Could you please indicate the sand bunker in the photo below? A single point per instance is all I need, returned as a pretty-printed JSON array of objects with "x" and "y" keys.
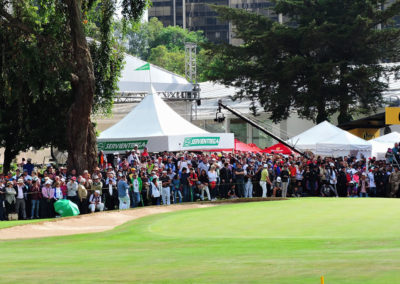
[{"x": 90, "y": 223}]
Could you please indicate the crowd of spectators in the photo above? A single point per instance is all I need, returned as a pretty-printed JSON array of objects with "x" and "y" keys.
[{"x": 142, "y": 178}]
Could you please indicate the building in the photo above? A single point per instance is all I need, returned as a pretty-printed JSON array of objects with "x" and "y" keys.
[{"x": 197, "y": 15}]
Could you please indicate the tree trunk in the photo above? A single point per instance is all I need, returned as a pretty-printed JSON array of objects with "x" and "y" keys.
[
  {"x": 83, "y": 87},
  {"x": 322, "y": 115},
  {"x": 92, "y": 147},
  {"x": 344, "y": 115},
  {"x": 9, "y": 155}
]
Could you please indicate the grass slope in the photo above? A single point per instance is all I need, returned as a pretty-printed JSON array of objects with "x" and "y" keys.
[
  {"x": 6, "y": 224},
  {"x": 294, "y": 241}
]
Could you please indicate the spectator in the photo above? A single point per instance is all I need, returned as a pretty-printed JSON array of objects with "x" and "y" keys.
[
  {"x": 82, "y": 195},
  {"x": 95, "y": 202},
  {"x": 123, "y": 187},
  {"x": 165, "y": 192}
]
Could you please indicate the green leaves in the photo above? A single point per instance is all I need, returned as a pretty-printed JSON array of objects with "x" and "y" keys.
[{"x": 327, "y": 61}]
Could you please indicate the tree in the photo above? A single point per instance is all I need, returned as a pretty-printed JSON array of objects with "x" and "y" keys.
[
  {"x": 38, "y": 21},
  {"x": 324, "y": 61},
  {"x": 34, "y": 94},
  {"x": 165, "y": 46},
  {"x": 173, "y": 61}
]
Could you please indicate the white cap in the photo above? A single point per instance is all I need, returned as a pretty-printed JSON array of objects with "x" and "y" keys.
[{"x": 265, "y": 165}]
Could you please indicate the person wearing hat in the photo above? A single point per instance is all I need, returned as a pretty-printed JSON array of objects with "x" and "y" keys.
[
  {"x": 95, "y": 202},
  {"x": 166, "y": 190},
  {"x": 97, "y": 184},
  {"x": 82, "y": 195},
  {"x": 72, "y": 190},
  {"x": 264, "y": 180},
  {"x": 10, "y": 194},
  {"x": 110, "y": 192},
  {"x": 20, "y": 205},
  {"x": 46, "y": 206}
]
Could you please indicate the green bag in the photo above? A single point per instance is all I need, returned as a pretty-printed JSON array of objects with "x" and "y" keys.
[{"x": 66, "y": 208}]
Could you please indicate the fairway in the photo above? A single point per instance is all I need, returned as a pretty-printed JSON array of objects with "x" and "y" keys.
[{"x": 293, "y": 241}]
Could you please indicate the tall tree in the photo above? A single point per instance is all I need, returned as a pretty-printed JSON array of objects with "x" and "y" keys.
[
  {"x": 80, "y": 134},
  {"x": 324, "y": 61}
]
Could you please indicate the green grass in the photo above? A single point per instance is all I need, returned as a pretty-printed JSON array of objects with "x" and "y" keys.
[
  {"x": 294, "y": 241},
  {"x": 7, "y": 224}
]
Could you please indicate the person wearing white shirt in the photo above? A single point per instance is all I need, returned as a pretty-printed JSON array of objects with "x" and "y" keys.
[
  {"x": 95, "y": 202},
  {"x": 372, "y": 184},
  {"x": 20, "y": 198}
]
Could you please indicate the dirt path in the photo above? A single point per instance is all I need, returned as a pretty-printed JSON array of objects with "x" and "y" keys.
[{"x": 91, "y": 223}]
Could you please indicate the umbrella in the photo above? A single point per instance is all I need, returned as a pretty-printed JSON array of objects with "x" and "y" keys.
[
  {"x": 278, "y": 149},
  {"x": 255, "y": 148},
  {"x": 66, "y": 208}
]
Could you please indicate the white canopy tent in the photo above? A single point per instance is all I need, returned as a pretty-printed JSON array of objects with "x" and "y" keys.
[
  {"x": 344, "y": 144},
  {"x": 154, "y": 124},
  {"x": 133, "y": 81},
  {"x": 381, "y": 144},
  {"x": 328, "y": 140},
  {"x": 307, "y": 141}
]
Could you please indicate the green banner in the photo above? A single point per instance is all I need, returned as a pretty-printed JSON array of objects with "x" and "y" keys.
[
  {"x": 121, "y": 145},
  {"x": 201, "y": 141}
]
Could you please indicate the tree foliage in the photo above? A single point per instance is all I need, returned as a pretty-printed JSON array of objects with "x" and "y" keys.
[
  {"x": 52, "y": 80},
  {"x": 324, "y": 61},
  {"x": 165, "y": 46}
]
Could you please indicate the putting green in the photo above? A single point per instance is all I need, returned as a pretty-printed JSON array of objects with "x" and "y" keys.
[
  {"x": 298, "y": 218},
  {"x": 293, "y": 241}
]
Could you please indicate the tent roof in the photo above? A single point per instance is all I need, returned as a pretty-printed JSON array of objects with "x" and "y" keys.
[
  {"x": 152, "y": 117},
  {"x": 315, "y": 134},
  {"x": 255, "y": 147},
  {"x": 278, "y": 149},
  {"x": 133, "y": 81},
  {"x": 243, "y": 147},
  {"x": 393, "y": 137},
  {"x": 345, "y": 138}
]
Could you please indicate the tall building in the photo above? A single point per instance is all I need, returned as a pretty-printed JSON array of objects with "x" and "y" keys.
[{"x": 197, "y": 15}]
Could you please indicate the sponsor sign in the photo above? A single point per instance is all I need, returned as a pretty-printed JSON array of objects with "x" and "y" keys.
[
  {"x": 392, "y": 115},
  {"x": 201, "y": 141},
  {"x": 121, "y": 145}
]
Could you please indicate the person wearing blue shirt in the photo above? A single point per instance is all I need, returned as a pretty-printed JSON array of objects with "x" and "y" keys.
[{"x": 123, "y": 196}]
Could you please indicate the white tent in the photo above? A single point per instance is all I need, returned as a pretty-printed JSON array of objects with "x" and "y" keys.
[
  {"x": 154, "y": 124},
  {"x": 381, "y": 144},
  {"x": 133, "y": 81},
  {"x": 307, "y": 141},
  {"x": 328, "y": 140},
  {"x": 344, "y": 144}
]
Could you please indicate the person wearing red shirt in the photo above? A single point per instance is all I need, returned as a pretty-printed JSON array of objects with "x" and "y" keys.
[{"x": 193, "y": 179}]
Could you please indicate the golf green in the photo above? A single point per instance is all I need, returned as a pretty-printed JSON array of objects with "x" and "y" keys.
[{"x": 294, "y": 241}]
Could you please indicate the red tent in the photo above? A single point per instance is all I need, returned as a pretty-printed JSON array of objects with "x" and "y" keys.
[
  {"x": 278, "y": 149},
  {"x": 255, "y": 148},
  {"x": 240, "y": 146}
]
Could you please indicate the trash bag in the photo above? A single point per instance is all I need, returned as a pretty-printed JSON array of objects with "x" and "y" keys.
[{"x": 66, "y": 208}]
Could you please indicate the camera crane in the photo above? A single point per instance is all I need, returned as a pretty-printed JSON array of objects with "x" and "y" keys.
[{"x": 219, "y": 117}]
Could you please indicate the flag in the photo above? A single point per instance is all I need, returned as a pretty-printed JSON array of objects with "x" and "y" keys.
[{"x": 144, "y": 67}]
